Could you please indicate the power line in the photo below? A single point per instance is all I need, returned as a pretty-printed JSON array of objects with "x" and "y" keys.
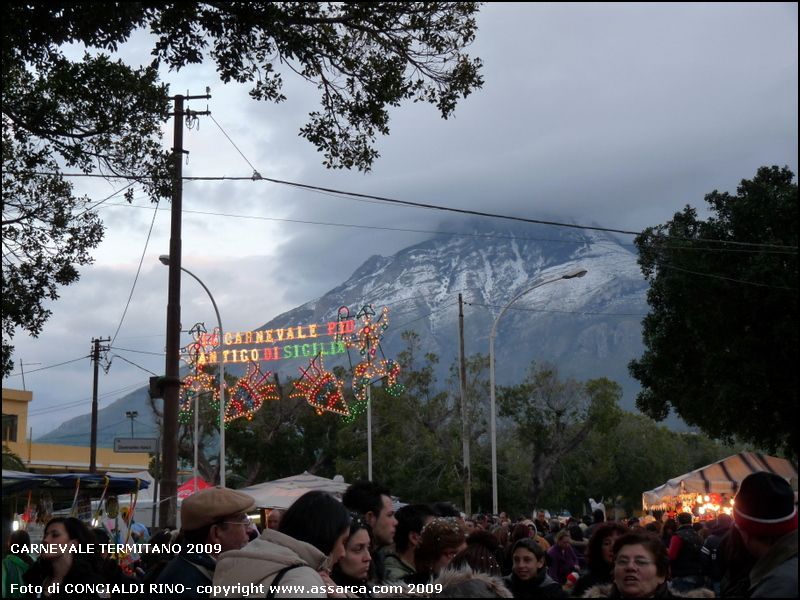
[
  {"x": 74, "y": 403},
  {"x": 51, "y": 366},
  {"x": 754, "y": 283},
  {"x": 136, "y": 278},
  {"x": 568, "y": 312},
  {"x": 394, "y": 201},
  {"x": 256, "y": 174},
  {"x": 122, "y": 189},
  {"x": 461, "y": 234},
  {"x": 138, "y": 351},
  {"x": 113, "y": 356}
]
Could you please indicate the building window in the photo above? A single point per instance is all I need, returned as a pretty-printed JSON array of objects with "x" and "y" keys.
[{"x": 10, "y": 423}]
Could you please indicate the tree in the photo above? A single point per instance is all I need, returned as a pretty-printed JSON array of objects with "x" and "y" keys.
[
  {"x": 99, "y": 115},
  {"x": 619, "y": 464},
  {"x": 721, "y": 335},
  {"x": 12, "y": 461},
  {"x": 552, "y": 417}
]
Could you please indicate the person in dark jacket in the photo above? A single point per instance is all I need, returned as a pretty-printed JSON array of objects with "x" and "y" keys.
[
  {"x": 765, "y": 512},
  {"x": 600, "y": 557},
  {"x": 641, "y": 569},
  {"x": 712, "y": 558},
  {"x": 353, "y": 569},
  {"x": 16, "y": 562},
  {"x": 214, "y": 516},
  {"x": 685, "y": 556},
  {"x": 529, "y": 578},
  {"x": 562, "y": 558},
  {"x": 69, "y": 562}
]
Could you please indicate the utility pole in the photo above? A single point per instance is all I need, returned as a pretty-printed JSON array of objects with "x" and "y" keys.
[
  {"x": 96, "y": 360},
  {"x": 169, "y": 479},
  {"x": 467, "y": 476},
  {"x": 22, "y": 370},
  {"x": 132, "y": 414}
]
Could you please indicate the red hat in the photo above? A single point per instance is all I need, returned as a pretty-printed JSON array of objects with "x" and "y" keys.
[{"x": 764, "y": 506}]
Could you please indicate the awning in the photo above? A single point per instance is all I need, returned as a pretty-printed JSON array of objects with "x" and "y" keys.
[
  {"x": 189, "y": 488},
  {"x": 721, "y": 477},
  {"x": 282, "y": 492},
  {"x": 17, "y": 481}
]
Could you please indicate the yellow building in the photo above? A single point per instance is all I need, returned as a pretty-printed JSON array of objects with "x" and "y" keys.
[{"x": 56, "y": 458}]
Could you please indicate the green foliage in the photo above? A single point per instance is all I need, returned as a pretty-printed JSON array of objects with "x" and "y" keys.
[
  {"x": 11, "y": 461},
  {"x": 100, "y": 115},
  {"x": 92, "y": 115},
  {"x": 721, "y": 335},
  {"x": 552, "y": 417},
  {"x": 599, "y": 450},
  {"x": 634, "y": 456}
]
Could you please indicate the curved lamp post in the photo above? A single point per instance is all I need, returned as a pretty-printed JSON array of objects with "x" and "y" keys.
[
  {"x": 164, "y": 258},
  {"x": 492, "y": 411}
]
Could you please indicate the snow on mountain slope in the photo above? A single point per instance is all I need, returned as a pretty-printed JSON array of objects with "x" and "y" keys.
[{"x": 589, "y": 327}]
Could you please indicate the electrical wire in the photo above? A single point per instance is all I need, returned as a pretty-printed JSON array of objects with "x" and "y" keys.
[
  {"x": 50, "y": 366},
  {"x": 255, "y": 172},
  {"x": 138, "y": 351},
  {"x": 429, "y": 206},
  {"x": 136, "y": 278},
  {"x": 113, "y": 356},
  {"x": 461, "y": 234},
  {"x": 107, "y": 198},
  {"x": 568, "y": 312},
  {"x": 711, "y": 275}
]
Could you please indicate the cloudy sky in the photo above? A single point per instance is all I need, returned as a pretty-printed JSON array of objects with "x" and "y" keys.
[{"x": 603, "y": 113}]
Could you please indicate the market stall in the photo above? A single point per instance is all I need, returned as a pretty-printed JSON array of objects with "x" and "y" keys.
[
  {"x": 34, "y": 498},
  {"x": 708, "y": 491}
]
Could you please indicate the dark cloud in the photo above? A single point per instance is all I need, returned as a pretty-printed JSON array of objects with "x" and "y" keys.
[{"x": 597, "y": 113}]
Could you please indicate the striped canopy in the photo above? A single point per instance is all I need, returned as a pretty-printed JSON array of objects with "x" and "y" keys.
[{"x": 721, "y": 477}]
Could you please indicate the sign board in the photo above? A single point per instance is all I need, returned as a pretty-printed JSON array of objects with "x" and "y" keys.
[{"x": 136, "y": 445}]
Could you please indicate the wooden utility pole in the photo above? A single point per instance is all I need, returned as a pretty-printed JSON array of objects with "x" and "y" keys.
[
  {"x": 467, "y": 476},
  {"x": 169, "y": 477},
  {"x": 93, "y": 443}
]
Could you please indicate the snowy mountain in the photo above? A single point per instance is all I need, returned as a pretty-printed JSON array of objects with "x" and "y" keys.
[{"x": 589, "y": 327}]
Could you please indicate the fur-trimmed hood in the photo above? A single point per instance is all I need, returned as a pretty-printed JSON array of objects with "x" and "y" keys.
[
  {"x": 604, "y": 591},
  {"x": 461, "y": 583}
]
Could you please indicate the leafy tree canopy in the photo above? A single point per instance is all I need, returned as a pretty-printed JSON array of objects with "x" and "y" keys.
[
  {"x": 552, "y": 417},
  {"x": 721, "y": 334},
  {"x": 97, "y": 114}
]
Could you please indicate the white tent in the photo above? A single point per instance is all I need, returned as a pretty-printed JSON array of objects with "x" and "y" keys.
[
  {"x": 721, "y": 477},
  {"x": 282, "y": 492}
]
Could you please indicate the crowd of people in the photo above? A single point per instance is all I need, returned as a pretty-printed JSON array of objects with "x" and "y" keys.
[{"x": 356, "y": 547}]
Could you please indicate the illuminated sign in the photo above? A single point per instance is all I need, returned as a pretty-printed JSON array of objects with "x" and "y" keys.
[{"x": 300, "y": 341}]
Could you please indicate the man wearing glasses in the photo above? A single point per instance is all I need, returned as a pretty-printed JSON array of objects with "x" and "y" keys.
[{"x": 213, "y": 521}]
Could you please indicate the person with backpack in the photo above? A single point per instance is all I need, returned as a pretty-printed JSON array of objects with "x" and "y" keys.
[
  {"x": 713, "y": 559},
  {"x": 685, "y": 556}
]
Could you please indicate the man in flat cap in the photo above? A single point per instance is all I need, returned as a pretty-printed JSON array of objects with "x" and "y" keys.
[
  {"x": 765, "y": 514},
  {"x": 216, "y": 519}
]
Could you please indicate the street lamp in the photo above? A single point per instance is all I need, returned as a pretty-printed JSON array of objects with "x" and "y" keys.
[
  {"x": 164, "y": 258},
  {"x": 492, "y": 411},
  {"x": 131, "y": 414}
]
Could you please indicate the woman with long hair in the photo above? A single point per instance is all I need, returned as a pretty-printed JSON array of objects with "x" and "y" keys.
[
  {"x": 441, "y": 539},
  {"x": 68, "y": 560},
  {"x": 353, "y": 568},
  {"x": 309, "y": 542},
  {"x": 600, "y": 557}
]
